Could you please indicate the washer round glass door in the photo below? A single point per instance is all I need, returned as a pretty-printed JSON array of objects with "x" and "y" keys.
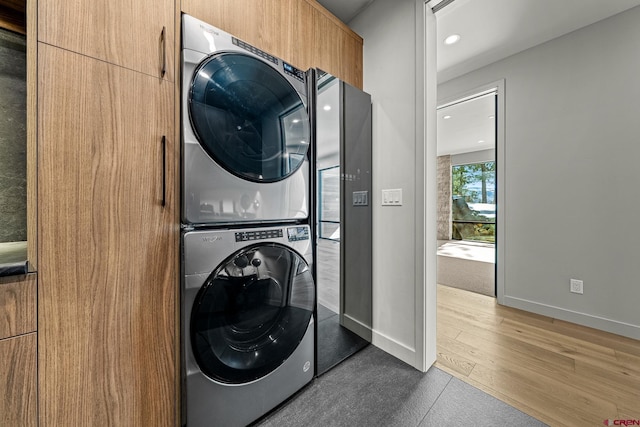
[
  {"x": 251, "y": 313},
  {"x": 248, "y": 117}
]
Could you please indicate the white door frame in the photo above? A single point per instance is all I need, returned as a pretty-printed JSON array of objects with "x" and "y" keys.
[
  {"x": 499, "y": 87},
  {"x": 426, "y": 177},
  {"x": 426, "y": 187}
]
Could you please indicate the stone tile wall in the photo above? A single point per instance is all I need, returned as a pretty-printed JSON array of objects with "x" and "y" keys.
[
  {"x": 13, "y": 137},
  {"x": 444, "y": 198}
]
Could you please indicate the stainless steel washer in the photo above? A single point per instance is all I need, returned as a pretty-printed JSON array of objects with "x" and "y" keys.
[
  {"x": 247, "y": 316},
  {"x": 245, "y": 132}
]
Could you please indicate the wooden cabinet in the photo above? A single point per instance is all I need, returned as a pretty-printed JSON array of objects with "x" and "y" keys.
[
  {"x": 18, "y": 405},
  {"x": 17, "y": 305},
  {"x": 18, "y": 351},
  {"x": 122, "y": 32},
  {"x": 336, "y": 51},
  {"x": 299, "y": 31},
  {"x": 107, "y": 244},
  {"x": 107, "y": 292},
  {"x": 350, "y": 64}
]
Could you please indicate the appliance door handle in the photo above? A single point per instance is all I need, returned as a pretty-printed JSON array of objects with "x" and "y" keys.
[
  {"x": 163, "y": 40},
  {"x": 164, "y": 170}
]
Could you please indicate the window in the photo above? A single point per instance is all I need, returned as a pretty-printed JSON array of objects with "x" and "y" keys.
[
  {"x": 473, "y": 208},
  {"x": 329, "y": 203}
]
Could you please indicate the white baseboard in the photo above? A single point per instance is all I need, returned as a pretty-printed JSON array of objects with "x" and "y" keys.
[
  {"x": 394, "y": 348},
  {"x": 608, "y": 325}
]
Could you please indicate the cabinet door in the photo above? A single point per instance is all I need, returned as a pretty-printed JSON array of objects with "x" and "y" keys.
[
  {"x": 122, "y": 32},
  {"x": 107, "y": 272},
  {"x": 337, "y": 51},
  {"x": 18, "y": 381},
  {"x": 17, "y": 305},
  {"x": 351, "y": 65}
]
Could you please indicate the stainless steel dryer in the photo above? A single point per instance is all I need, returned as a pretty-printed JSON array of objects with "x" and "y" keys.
[
  {"x": 247, "y": 315},
  {"x": 245, "y": 131}
]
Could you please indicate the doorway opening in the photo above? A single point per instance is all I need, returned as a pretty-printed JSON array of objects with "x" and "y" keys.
[{"x": 467, "y": 196}]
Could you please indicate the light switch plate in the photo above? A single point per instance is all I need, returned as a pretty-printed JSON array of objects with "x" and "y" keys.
[{"x": 392, "y": 197}]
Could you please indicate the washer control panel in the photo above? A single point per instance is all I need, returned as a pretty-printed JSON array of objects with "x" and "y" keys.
[
  {"x": 298, "y": 233},
  {"x": 245, "y": 236}
]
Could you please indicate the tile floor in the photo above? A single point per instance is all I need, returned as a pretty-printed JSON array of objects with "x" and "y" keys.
[
  {"x": 373, "y": 388},
  {"x": 335, "y": 342}
]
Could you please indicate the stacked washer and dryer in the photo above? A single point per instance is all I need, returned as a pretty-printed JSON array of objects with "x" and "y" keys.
[{"x": 248, "y": 293}]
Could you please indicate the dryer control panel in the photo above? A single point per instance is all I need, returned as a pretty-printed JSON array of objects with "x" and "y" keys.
[{"x": 254, "y": 50}]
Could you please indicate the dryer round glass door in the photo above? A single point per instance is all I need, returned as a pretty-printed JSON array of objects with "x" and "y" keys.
[
  {"x": 248, "y": 117},
  {"x": 251, "y": 313}
]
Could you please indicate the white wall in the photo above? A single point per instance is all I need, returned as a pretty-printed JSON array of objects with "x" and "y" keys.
[
  {"x": 572, "y": 153},
  {"x": 393, "y": 33}
]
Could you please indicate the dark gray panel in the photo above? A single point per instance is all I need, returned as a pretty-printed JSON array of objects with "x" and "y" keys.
[
  {"x": 343, "y": 135},
  {"x": 356, "y": 210},
  {"x": 338, "y": 342}
]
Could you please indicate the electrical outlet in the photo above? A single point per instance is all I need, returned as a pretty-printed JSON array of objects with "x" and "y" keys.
[{"x": 576, "y": 286}]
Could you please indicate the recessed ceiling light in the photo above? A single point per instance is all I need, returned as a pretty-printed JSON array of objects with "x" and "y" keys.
[
  {"x": 492, "y": 117},
  {"x": 446, "y": 117},
  {"x": 452, "y": 39},
  {"x": 295, "y": 121},
  {"x": 327, "y": 107},
  {"x": 481, "y": 141}
]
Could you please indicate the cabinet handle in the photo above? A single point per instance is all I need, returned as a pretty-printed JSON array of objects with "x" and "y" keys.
[
  {"x": 163, "y": 39},
  {"x": 164, "y": 170}
]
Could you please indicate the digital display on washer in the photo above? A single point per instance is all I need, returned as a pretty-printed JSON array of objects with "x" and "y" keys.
[
  {"x": 245, "y": 236},
  {"x": 298, "y": 233},
  {"x": 293, "y": 71}
]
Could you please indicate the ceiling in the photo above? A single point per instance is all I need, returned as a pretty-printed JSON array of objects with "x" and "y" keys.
[
  {"x": 491, "y": 30},
  {"x": 494, "y": 29},
  {"x": 467, "y": 126},
  {"x": 345, "y": 10}
]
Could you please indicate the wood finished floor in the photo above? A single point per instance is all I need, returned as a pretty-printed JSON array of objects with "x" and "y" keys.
[{"x": 560, "y": 373}]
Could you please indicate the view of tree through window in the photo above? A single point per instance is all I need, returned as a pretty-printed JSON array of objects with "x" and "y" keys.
[{"x": 474, "y": 201}]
